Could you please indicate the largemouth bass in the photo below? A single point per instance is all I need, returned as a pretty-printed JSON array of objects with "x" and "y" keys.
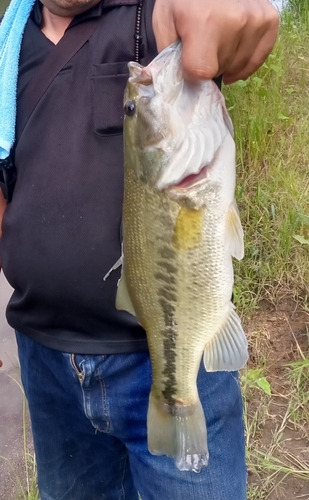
[{"x": 180, "y": 230}]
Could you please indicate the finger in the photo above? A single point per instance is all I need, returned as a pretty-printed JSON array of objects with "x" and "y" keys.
[
  {"x": 257, "y": 40},
  {"x": 163, "y": 26},
  {"x": 200, "y": 55},
  {"x": 243, "y": 54},
  {"x": 249, "y": 58},
  {"x": 206, "y": 52},
  {"x": 256, "y": 60}
]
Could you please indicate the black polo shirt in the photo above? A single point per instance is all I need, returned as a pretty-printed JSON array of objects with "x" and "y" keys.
[{"x": 62, "y": 230}]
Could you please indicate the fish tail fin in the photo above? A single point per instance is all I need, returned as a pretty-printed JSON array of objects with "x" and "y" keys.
[
  {"x": 179, "y": 433},
  {"x": 228, "y": 350}
]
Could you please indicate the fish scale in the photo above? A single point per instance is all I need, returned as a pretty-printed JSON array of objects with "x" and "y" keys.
[{"x": 180, "y": 230}]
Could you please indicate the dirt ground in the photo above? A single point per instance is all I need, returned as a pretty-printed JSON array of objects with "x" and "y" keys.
[
  {"x": 279, "y": 428},
  {"x": 277, "y": 336},
  {"x": 12, "y": 465}
]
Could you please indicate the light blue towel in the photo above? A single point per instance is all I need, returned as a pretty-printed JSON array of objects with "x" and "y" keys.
[{"x": 11, "y": 33}]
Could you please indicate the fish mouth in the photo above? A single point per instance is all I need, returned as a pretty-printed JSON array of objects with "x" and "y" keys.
[
  {"x": 192, "y": 179},
  {"x": 184, "y": 173}
]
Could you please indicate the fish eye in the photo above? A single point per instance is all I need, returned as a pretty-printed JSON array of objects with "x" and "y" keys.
[{"x": 129, "y": 108}]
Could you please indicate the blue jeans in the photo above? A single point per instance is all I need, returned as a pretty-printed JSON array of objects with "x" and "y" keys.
[{"x": 88, "y": 416}]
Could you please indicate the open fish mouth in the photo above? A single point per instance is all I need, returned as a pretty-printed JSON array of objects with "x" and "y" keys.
[
  {"x": 192, "y": 180},
  {"x": 194, "y": 154}
]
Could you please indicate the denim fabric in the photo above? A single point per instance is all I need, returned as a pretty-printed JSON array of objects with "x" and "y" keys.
[{"x": 88, "y": 417}]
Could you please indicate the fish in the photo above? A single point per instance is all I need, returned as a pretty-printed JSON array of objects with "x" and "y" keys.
[{"x": 181, "y": 228}]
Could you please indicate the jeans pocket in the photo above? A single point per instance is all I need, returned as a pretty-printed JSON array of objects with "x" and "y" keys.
[{"x": 79, "y": 372}]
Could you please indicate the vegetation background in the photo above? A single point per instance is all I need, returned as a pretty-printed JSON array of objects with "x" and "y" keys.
[{"x": 270, "y": 112}]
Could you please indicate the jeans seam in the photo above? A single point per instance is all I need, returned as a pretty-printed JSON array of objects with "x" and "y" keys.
[
  {"x": 121, "y": 491},
  {"x": 105, "y": 406}
]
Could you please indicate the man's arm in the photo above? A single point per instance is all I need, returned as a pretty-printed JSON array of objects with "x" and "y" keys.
[{"x": 229, "y": 37}]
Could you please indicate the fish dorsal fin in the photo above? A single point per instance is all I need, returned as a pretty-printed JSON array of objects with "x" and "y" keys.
[
  {"x": 234, "y": 232},
  {"x": 228, "y": 350},
  {"x": 123, "y": 300}
]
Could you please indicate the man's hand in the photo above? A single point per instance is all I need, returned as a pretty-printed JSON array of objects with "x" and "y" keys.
[{"x": 229, "y": 37}]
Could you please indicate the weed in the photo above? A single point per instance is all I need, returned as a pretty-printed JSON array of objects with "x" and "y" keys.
[
  {"x": 270, "y": 112},
  {"x": 255, "y": 378},
  {"x": 299, "y": 9},
  {"x": 26, "y": 486},
  {"x": 275, "y": 417},
  {"x": 299, "y": 399}
]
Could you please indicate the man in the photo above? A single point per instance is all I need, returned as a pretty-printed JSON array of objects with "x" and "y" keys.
[{"x": 85, "y": 366}]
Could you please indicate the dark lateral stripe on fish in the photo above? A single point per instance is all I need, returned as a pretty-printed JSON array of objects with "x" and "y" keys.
[
  {"x": 166, "y": 219},
  {"x": 167, "y": 223},
  {"x": 167, "y": 266},
  {"x": 168, "y": 294},
  {"x": 167, "y": 252},
  {"x": 170, "y": 386},
  {"x": 169, "y": 351},
  {"x": 166, "y": 278},
  {"x": 169, "y": 315},
  {"x": 177, "y": 410},
  {"x": 165, "y": 238}
]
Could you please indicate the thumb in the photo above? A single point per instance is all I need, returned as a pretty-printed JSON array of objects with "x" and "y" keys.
[{"x": 163, "y": 26}]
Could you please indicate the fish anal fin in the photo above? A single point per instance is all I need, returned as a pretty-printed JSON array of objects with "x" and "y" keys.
[
  {"x": 181, "y": 436},
  {"x": 228, "y": 350},
  {"x": 234, "y": 233},
  {"x": 123, "y": 300}
]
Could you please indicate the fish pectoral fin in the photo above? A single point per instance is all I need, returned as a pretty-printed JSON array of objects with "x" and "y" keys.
[
  {"x": 234, "y": 232},
  {"x": 123, "y": 300},
  {"x": 228, "y": 350},
  {"x": 181, "y": 436},
  {"x": 115, "y": 266}
]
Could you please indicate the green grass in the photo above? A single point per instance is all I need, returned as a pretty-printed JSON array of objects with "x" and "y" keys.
[
  {"x": 299, "y": 397},
  {"x": 270, "y": 112},
  {"x": 299, "y": 9}
]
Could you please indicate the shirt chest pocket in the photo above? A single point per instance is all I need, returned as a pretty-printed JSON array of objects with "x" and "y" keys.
[{"x": 107, "y": 88}]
